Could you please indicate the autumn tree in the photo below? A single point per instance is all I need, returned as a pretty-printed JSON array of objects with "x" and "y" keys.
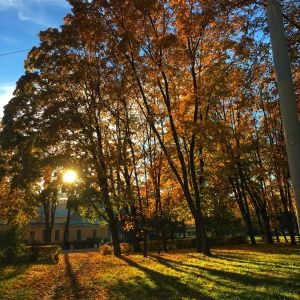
[
  {"x": 31, "y": 156},
  {"x": 143, "y": 94},
  {"x": 83, "y": 109},
  {"x": 173, "y": 52}
]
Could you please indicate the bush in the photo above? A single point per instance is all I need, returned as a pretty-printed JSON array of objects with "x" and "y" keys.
[
  {"x": 153, "y": 245},
  {"x": 126, "y": 248},
  {"x": 44, "y": 253},
  {"x": 106, "y": 250},
  {"x": 177, "y": 244},
  {"x": 88, "y": 243},
  {"x": 185, "y": 243},
  {"x": 213, "y": 241},
  {"x": 12, "y": 245},
  {"x": 228, "y": 240}
]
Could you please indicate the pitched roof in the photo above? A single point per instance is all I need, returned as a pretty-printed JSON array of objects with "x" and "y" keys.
[{"x": 61, "y": 213}]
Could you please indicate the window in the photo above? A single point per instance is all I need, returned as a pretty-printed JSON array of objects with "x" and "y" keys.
[
  {"x": 57, "y": 235},
  {"x": 94, "y": 233},
  {"x": 78, "y": 235},
  {"x": 32, "y": 235}
]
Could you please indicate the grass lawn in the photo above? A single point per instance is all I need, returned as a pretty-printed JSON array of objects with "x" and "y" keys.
[{"x": 235, "y": 272}]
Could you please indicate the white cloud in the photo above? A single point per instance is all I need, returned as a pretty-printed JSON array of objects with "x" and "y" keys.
[
  {"x": 6, "y": 93},
  {"x": 62, "y": 3},
  {"x": 20, "y": 4},
  {"x": 22, "y": 17},
  {"x": 37, "y": 16},
  {"x": 35, "y": 11},
  {"x": 5, "y": 4}
]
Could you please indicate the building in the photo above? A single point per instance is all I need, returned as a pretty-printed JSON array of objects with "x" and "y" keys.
[{"x": 79, "y": 228}]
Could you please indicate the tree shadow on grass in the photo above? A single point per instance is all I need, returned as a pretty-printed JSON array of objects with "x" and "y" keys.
[
  {"x": 69, "y": 287},
  {"x": 241, "y": 260},
  {"x": 161, "y": 286},
  {"x": 12, "y": 276},
  {"x": 266, "y": 248},
  {"x": 236, "y": 285},
  {"x": 18, "y": 269},
  {"x": 253, "y": 285}
]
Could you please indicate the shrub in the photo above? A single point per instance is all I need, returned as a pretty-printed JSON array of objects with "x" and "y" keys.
[
  {"x": 106, "y": 250},
  {"x": 153, "y": 245},
  {"x": 213, "y": 241},
  {"x": 185, "y": 243},
  {"x": 177, "y": 244},
  {"x": 48, "y": 253},
  {"x": 12, "y": 245},
  {"x": 126, "y": 248},
  {"x": 88, "y": 243},
  {"x": 228, "y": 240}
]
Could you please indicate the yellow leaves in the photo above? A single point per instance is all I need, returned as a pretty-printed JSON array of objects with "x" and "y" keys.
[
  {"x": 165, "y": 42},
  {"x": 186, "y": 274}
]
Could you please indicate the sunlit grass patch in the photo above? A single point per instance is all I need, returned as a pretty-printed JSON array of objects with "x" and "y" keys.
[{"x": 236, "y": 272}]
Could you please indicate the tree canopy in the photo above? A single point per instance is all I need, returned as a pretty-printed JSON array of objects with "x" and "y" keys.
[{"x": 167, "y": 108}]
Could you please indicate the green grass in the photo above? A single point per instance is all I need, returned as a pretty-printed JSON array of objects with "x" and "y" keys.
[{"x": 235, "y": 272}]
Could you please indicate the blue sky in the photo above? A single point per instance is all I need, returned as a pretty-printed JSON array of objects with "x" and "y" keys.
[{"x": 20, "y": 22}]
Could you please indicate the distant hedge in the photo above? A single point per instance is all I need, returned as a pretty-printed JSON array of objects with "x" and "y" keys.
[
  {"x": 228, "y": 240},
  {"x": 191, "y": 242},
  {"x": 88, "y": 243},
  {"x": 47, "y": 253}
]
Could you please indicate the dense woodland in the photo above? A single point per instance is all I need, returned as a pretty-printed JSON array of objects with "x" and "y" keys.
[{"x": 167, "y": 110}]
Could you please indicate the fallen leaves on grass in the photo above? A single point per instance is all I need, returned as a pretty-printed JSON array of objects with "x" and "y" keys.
[{"x": 231, "y": 273}]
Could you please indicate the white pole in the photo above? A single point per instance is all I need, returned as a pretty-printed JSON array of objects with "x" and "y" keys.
[{"x": 287, "y": 96}]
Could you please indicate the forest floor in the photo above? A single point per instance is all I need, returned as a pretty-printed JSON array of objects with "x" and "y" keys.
[{"x": 232, "y": 272}]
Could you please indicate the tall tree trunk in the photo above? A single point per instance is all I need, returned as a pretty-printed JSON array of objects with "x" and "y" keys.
[
  {"x": 290, "y": 226},
  {"x": 180, "y": 170},
  {"x": 99, "y": 158},
  {"x": 202, "y": 243},
  {"x": 244, "y": 208},
  {"x": 113, "y": 226},
  {"x": 276, "y": 235},
  {"x": 49, "y": 211},
  {"x": 47, "y": 222},
  {"x": 158, "y": 237},
  {"x": 66, "y": 229},
  {"x": 258, "y": 203},
  {"x": 183, "y": 229},
  {"x": 134, "y": 234}
]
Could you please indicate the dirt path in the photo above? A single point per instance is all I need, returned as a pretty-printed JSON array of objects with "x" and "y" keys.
[{"x": 72, "y": 265}]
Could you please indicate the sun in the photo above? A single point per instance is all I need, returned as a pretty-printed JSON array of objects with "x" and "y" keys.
[{"x": 69, "y": 176}]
